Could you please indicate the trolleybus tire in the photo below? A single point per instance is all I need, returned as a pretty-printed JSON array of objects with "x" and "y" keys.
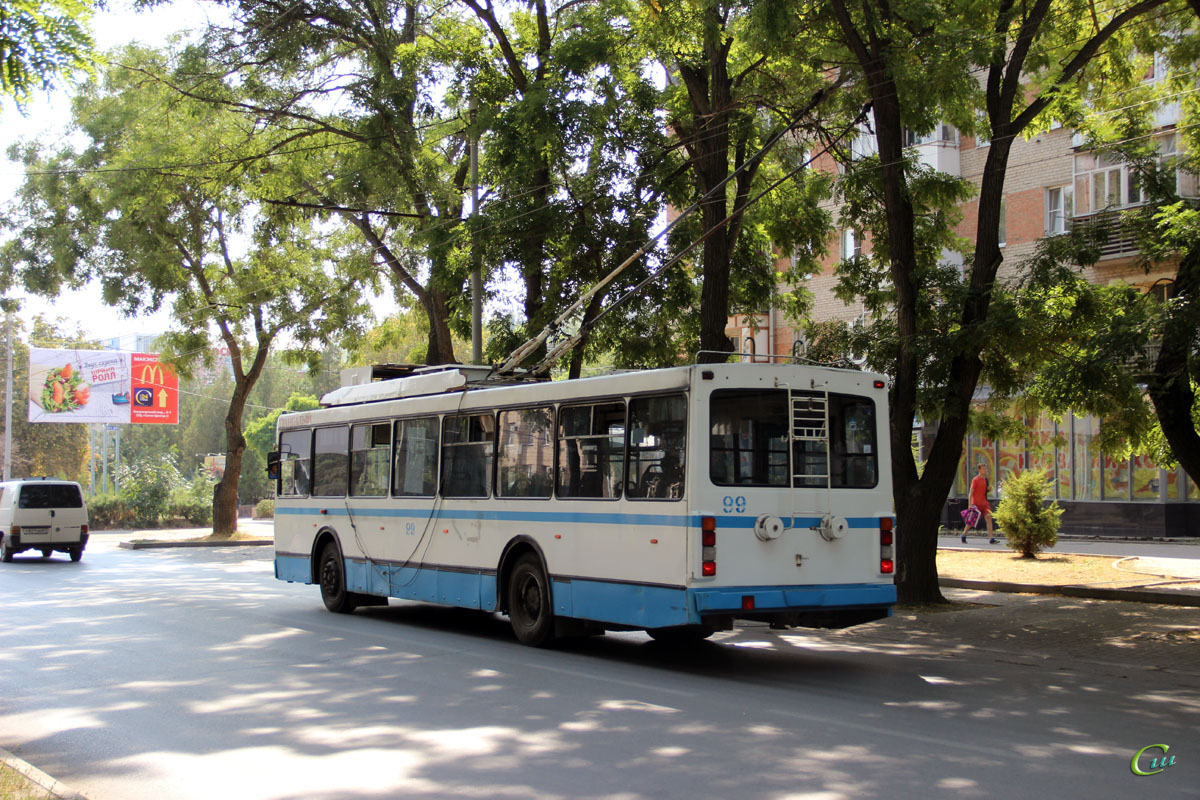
[
  {"x": 331, "y": 574},
  {"x": 529, "y": 609}
]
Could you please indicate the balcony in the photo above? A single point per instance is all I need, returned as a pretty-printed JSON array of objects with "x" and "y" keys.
[{"x": 1118, "y": 240}]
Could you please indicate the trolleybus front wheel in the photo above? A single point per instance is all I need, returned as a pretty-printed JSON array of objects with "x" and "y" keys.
[
  {"x": 333, "y": 582},
  {"x": 529, "y": 609}
]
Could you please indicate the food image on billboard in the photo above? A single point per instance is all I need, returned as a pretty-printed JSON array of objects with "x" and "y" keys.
[
  {"x": 109, "y": 386},
  {"x": 78, "y": 386}
]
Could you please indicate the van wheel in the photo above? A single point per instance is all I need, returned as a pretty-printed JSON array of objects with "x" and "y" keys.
[
  {"x": 75, "y": 553},
  {"x": 46, "y": 551},
  {"x": 333, "y": 582},
  {"x": 6, "y": 552},
  {"x": 529, "y": 610}
]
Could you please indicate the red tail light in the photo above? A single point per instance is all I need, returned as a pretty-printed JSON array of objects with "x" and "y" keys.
[
  {"x": 886, "y": 565},
  {"x": 83, "y": 529},
  {"x": 708, "y": 545}
]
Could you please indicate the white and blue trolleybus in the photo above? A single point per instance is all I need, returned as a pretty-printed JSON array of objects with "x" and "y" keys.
[{"x": 673, "y": 501}]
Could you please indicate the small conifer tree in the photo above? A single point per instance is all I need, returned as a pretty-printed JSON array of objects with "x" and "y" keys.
[{"x": 1029, "y": 525}]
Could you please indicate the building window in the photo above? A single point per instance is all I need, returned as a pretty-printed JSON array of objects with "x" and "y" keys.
[
  {"x": 1003, "y": 226},
  {"x": 851, "y": 244},
  {"x": 1060, "y": 207}
]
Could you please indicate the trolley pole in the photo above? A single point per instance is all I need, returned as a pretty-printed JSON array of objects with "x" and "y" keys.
[{"x": 8, "y": 398}]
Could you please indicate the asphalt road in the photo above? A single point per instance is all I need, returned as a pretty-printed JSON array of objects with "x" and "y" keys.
[{"x": 182, "y": 674}]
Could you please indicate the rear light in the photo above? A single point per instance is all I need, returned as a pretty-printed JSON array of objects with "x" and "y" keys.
[
  {"x": 886, "y": 565},
  {"x": 83, "y": 528},
  {"x": 708, "y": 546},
  {"x": 14, "y": 530},
  {"x": 747, "y": 602}
]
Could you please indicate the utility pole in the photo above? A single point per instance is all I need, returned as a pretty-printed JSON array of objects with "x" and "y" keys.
[
  {"x": 476, "y": 262},
  {"x": 8, "y": 399}
]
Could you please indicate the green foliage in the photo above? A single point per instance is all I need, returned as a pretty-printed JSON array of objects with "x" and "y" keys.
[
  {"x": 193, "y": 501},
  {"x": 108, "y": 511},
  {"x": 40, "y": 42},
  {"x": 265, "y": 509},
  {"x": 1029, "y": 525},
  {"x": 147, "y": 487}
]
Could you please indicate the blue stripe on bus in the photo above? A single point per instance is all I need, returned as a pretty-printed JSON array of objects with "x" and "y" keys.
[
  {"x": 635, "y": 605},
  {"x": 569, "y": 517}
]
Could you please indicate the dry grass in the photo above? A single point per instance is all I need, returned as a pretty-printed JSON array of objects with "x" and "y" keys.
[
  {"x": 1049, "y": 569},
  {"x": 15, "y": 786}
]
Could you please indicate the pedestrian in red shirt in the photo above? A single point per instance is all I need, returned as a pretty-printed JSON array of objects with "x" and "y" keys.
[{"x": 978, "y": 497}]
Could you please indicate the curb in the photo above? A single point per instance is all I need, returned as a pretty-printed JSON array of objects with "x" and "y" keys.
[
  {"x": 1087, "y": 592},
  {"x": 166, "y": 543},
  {"x": 32, "y": 773}
]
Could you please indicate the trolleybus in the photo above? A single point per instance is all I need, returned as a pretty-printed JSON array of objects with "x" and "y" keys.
[{"x": 674, "y": 501}]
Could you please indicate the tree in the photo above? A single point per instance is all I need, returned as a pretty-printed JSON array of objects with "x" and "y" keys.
[
  {"x": 915, "y": 65},
  {"x": 737, "y": 83},
  {"x": 42, "y": 41},
  {"x": 160, "y": 207},
  {"x": 60, "y": 450}
]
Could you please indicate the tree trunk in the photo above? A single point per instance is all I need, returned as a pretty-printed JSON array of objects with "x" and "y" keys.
[
  {"x": 1171, "y": 385},
  {"x": 225, "y": 493},
  {"x": 441, "y": 344}
]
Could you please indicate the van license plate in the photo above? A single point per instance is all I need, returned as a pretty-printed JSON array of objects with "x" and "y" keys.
[{"x": 35, "y": 530}]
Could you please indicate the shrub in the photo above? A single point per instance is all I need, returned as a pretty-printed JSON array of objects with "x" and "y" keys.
[
  {"x": 107, "y": 511},
  {"x": 146, "y": 487},
  {"x": 265, "y": 509},
  {"x": 1029, "y": 525},
  {"x": 192, "y": 502}
]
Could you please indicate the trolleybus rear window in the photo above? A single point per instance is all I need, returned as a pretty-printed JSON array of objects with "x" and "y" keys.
[{"x": 832, "y": 437}]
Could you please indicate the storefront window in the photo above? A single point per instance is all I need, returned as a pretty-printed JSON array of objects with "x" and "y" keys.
[
  {"x": 1041, "y": 445},
  {"x": 1087, "y": 459},
  {"x": 1146, "y": 478},
  {"x": 1011, "y": 461},
  {"x": 1174, "y": 481},
  {"x": 982, "y": 451},
  {"x": 1116, "y": 478},
  {"x": 1063, "y": 459}
]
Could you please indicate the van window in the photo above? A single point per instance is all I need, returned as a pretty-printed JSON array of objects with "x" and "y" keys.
[{"x": 50, "y": 495}]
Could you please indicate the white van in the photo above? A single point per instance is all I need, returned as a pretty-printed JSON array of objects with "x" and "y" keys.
[{"x": 42, "y": 514}]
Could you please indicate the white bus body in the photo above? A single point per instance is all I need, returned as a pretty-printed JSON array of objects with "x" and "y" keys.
[{"x": 582, "y": 518}]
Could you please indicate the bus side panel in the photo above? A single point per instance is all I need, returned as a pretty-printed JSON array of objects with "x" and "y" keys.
[
  {"x": 293, "y": 569},
  {"x": 635, "y": 605}
]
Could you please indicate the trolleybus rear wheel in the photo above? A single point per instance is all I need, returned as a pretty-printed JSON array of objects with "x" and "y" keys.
[
  {"x": 333, "y": 581},
  {"x": 529, "y": 609}
]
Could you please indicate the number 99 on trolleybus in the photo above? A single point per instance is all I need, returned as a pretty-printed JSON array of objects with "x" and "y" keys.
[{"x": 674, "y": 501}]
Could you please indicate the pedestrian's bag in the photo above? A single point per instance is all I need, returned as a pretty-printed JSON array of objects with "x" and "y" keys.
[{"x": 970, "y": 516}]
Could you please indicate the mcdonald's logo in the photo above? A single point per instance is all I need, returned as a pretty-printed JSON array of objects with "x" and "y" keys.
[{"x": 155, "y": 391}]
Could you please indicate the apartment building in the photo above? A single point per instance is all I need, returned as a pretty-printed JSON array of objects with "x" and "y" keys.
[{"x": 1052, "y": 183}]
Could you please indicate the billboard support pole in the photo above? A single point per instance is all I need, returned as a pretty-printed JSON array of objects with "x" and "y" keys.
[{"x": 104, "y": 459}]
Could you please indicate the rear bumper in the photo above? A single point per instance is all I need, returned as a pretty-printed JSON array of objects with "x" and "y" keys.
[
  {"x": 834, "y": 606},
  {"x": 19, "y": 543}
]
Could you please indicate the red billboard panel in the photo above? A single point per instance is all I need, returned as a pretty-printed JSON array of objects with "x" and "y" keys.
[{"x": 154, "y": 391}]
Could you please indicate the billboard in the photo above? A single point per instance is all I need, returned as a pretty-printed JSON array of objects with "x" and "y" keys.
[{"x": 107, "y": 386}]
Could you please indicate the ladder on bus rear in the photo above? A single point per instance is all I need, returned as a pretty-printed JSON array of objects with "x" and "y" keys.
[{"x": 809, "y": 423}]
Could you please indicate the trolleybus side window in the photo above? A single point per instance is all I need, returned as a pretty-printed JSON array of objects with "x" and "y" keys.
[
  {"x": 370, "y": 452},
  {"x": 657, "y": 432},
  {"x": 748, "y": 438},
  {"x": 415, "y": 472},
  {"x": 591, "y": 450},
  {"x": 331, "y": 461},
  {"x": 525, "y": 453},
  {"x": 295, "y": 473},
  {"x": 467, "y": 444}
]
